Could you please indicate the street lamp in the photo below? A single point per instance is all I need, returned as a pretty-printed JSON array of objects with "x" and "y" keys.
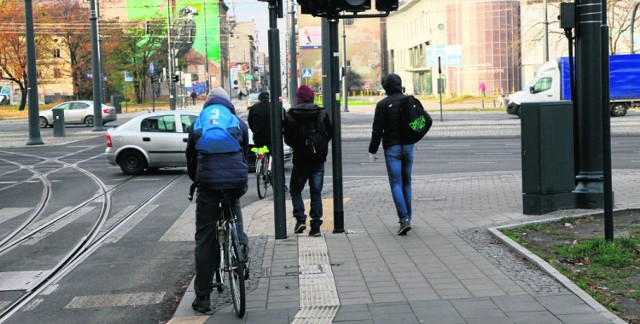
[
  {"x": 546, "y": 32},
  {"x": 633, "y": 21}
]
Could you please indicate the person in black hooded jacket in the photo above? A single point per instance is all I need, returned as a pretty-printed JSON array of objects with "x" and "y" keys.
[
  {"x": 398, "y": 151},
  {"x": 296, "y": 125}
]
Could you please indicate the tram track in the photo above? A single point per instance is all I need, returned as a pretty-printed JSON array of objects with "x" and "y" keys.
[{"x": 88, "y": 243}]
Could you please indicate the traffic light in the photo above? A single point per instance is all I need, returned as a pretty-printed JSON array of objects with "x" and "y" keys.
[
  {"x": 354, "y": 5},
  {"x": 176, "y": 78},
  {"x": 147, "y": 29},
  {"x": 314, "y": 7},
  {"x": 386, "y": 5}
]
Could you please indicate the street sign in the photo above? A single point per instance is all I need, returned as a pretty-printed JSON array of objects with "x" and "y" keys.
[
  {"x": 307, "y": 73},
  {"x": 151, "y": 68},
  {"x": 367, "y": 86}
]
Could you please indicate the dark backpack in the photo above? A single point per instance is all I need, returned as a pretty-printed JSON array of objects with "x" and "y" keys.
[
  {"x": 316, "y": 139},
  {"x": 416, "y": 121}
]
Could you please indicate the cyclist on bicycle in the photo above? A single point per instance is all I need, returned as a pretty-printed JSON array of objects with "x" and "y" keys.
[{"x": 216, "y": 150}]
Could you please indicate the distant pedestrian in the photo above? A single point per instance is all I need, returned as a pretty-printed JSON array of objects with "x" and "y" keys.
[
  {"x": 308, "y": 131},
  {"x": 193, "y": 97},
  {"x": 483, "y": 88},
  {"x": 260, "y": 121},
  {"x": 398, "y": 151}
]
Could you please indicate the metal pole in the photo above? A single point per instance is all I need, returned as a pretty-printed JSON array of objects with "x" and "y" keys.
[
  {"x": 440, "y": 86},
  {"x": 97, "y": 102},
  {"x": 546, "y": 32},
  {"x": 102, "y": 96},
  {"x": 345, "y": 68},
  {"x": 331, "y": 84},
  {"x": 293, "y": 66},
  {"x": 172, "y": 88},
  {"x": 206, "y": 51},
  {"x": 279, "y": 211},
  {"x": 606, "y": 128},
  {"x": 633, "y": 22},
  {"x": 589, "y": 179},
  {"x": 32, "y": 81}
]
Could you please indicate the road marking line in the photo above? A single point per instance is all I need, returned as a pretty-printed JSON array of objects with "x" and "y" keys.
[
  {"x": 116, "y": 300},
  {"x": 10, "y": 213},
  {"x": 183, "y": 229}
]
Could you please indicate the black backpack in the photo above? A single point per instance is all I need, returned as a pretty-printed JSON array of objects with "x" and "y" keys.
[
  {"x": 416, "y": 121},
  {"x": 316, "y": 139}
]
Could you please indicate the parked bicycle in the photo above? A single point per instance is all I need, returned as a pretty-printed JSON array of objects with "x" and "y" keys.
[
  {"x": 232, "y": 262},
  {"x": 263, "y": 170}
]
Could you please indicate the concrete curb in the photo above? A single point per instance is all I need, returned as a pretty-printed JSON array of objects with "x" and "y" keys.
[{"x": 549, "y": 269}]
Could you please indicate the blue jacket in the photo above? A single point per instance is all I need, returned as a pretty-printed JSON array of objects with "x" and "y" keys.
[{"x": 219, "y": 171}]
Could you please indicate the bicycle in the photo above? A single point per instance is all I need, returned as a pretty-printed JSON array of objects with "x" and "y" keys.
[
  {"x": 230, "y": 254},
  {"x": 263, "y": 170}
]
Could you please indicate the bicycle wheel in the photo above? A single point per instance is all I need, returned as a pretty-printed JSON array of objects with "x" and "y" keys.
[
  {"x": 235, "y": 267},
  {"x": 263, "y": 180}
]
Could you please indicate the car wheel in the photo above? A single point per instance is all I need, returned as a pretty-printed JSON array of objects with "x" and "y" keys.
[
  {"x": 88, "y": 121},
  {"x": 618, "y": 109},
  {"x": 43, "y": 122},
  {"x": 132, "y": 162}
]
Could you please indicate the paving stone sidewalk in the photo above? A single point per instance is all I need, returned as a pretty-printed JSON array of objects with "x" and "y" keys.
[{"x": 438, "y": 273}]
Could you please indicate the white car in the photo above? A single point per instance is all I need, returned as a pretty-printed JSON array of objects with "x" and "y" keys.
[
  {"x": 77, "y": 112},
  {"x": 156, "y": 140}
]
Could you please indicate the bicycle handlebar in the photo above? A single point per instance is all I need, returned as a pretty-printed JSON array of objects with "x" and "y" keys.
[{"x": 261, "y": 150}]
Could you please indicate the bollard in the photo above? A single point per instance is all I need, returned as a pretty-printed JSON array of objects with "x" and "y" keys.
[
  {"x": 482, "y": 103},
  {"x": 494, "y": 103},
  {"x": 58, "y": 122}
]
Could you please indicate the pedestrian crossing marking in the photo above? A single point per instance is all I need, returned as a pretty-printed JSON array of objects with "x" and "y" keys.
[
  {"x": 183, "y": 230},
  {"x": 7, "y": 214},
  {"x": 307, "y": 73},
  {"x": 58, "y": 225},
  {"x": 131, "y": 224},
  {"x": 116, "y": 300}
]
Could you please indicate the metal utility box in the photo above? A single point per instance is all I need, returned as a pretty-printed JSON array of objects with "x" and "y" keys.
[
  {"x": 548, "y": 177},
  {"x": 58, "y": 122},
  {"x": 116, "y": 102}
]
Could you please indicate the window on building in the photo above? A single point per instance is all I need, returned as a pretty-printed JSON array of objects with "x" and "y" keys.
[
  {"x": 56, "y": 52},
  {"x": 57, "y": 73}
]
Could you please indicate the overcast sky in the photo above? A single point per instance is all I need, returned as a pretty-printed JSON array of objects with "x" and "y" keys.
[{"x": 247, "y": 10}]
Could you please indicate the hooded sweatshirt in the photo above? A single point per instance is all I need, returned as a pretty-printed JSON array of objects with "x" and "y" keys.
[
  {"x": 388, "y": 117},
  {"x": 303, "y": 114}
]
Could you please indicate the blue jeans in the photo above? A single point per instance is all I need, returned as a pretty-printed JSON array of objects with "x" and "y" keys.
[
  {"x": 299, "y": 177},
  {"x": 399, "y": 160}
]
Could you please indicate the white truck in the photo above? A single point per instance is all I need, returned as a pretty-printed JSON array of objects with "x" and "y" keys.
[{"x": 552, "y": 83}]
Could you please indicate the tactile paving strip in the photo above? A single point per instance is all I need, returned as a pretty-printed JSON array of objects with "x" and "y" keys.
[{"x": 319, "y": 301}]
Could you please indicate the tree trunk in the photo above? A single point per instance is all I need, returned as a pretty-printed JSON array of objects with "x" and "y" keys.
[{"x": 23, "y": 98}]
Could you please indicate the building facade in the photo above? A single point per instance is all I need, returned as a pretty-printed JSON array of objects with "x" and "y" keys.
[
  {"x": 363, "y": 51},
  {"x": 464, "y": 43}
]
